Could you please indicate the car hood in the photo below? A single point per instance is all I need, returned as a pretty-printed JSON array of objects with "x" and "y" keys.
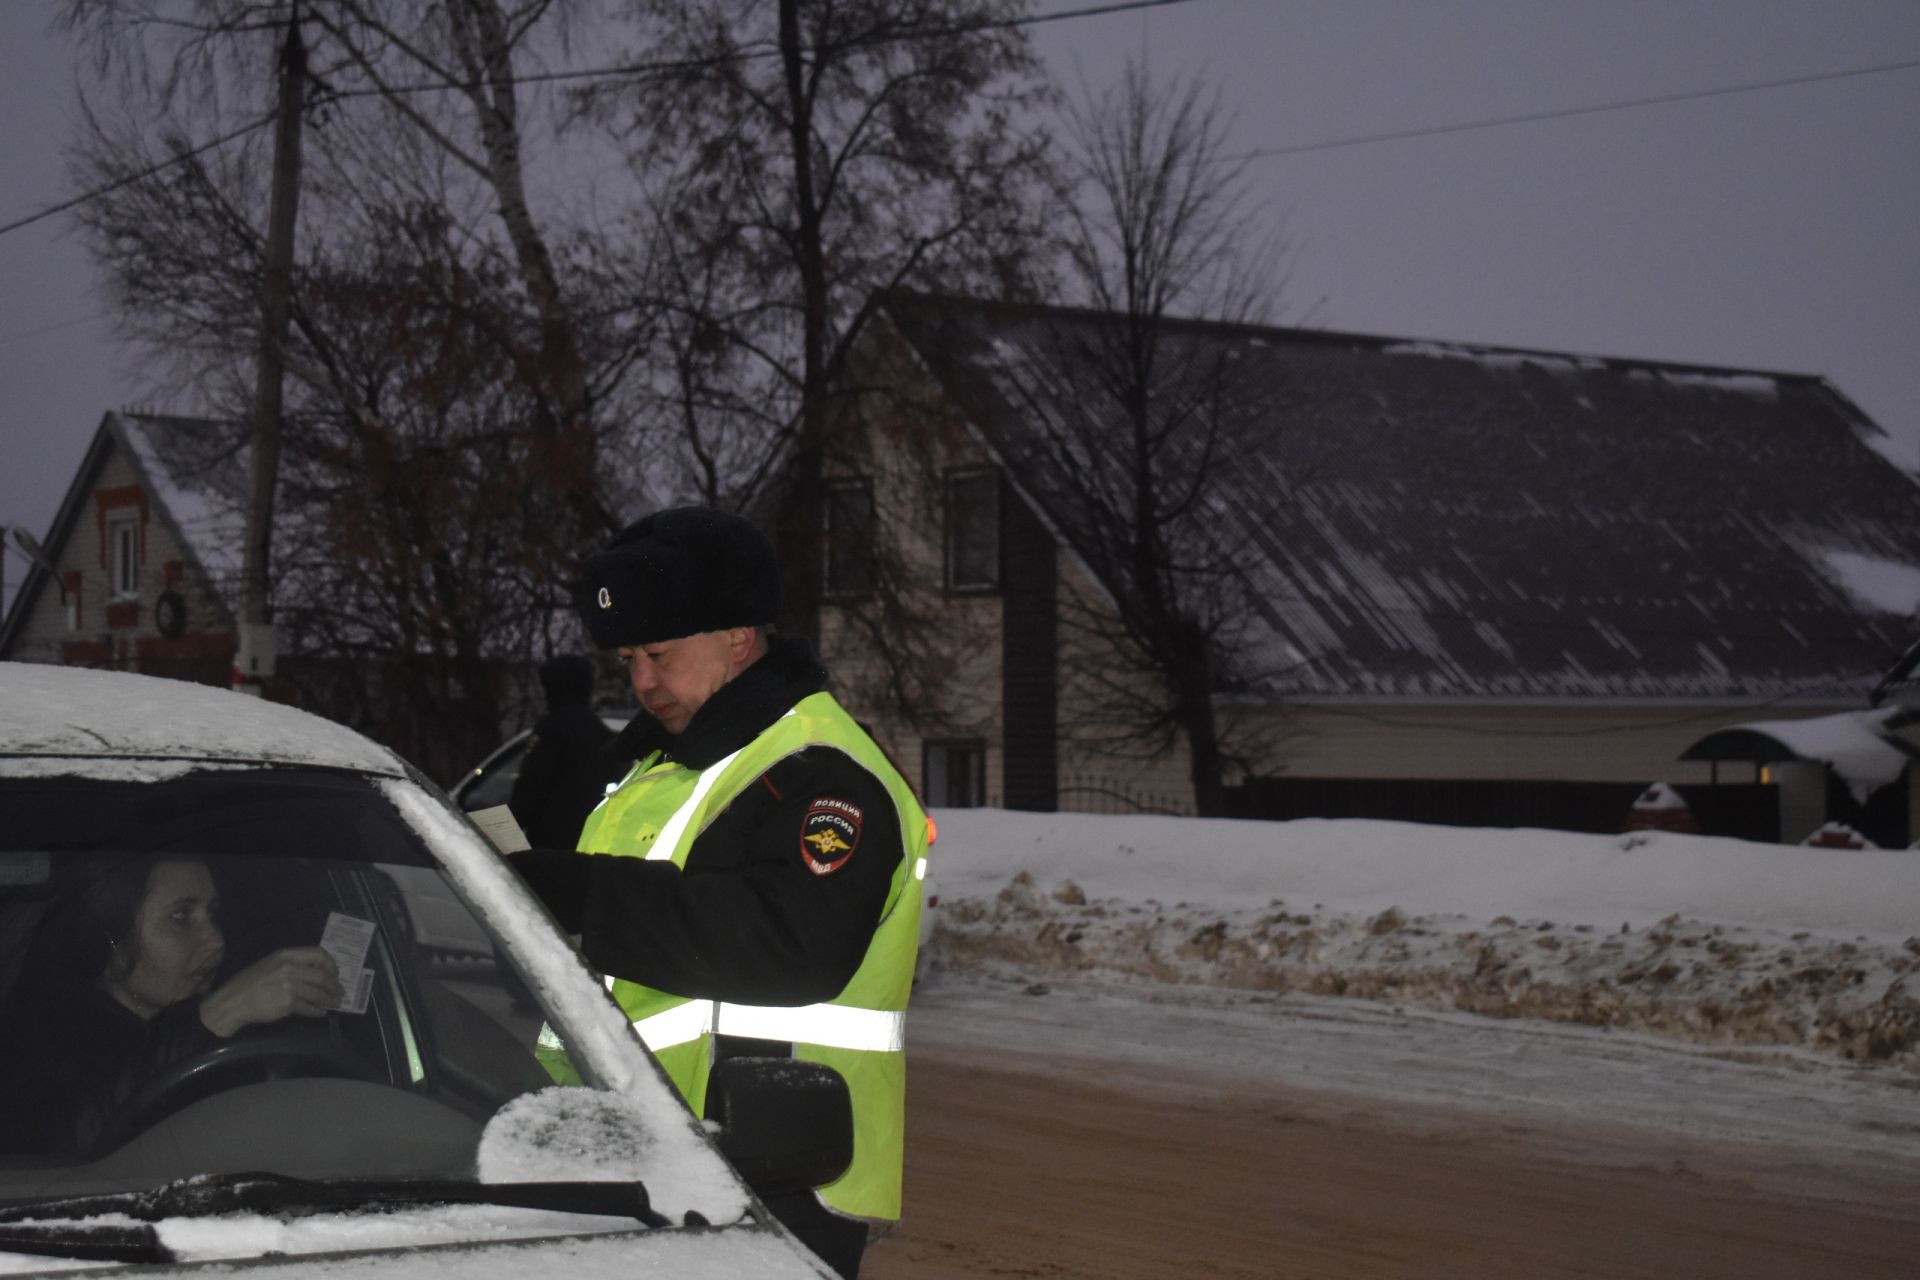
[
  {"x": 68, "y": 711},
  {"x": 377, "y": 1246}
]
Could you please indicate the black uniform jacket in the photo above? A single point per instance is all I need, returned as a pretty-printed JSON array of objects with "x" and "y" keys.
[
  {"x": 757, "y": 916},
  {"x": 566, "y": 771}
]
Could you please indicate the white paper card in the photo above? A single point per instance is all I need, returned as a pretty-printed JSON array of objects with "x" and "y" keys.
[
  {"x": 499, "y": 826},
  {"x": 347, "y": 939}
]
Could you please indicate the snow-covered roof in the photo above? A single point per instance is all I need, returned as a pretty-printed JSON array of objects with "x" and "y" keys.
[
  {"x": 1424, "y": 520},
  {"x": 50, "y": 711},
  {"x": 196, "y": 470}
]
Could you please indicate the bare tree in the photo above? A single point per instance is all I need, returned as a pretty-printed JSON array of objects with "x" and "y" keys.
[
  {"x": 1135, "y": 414},
  {"x": 486, "y": 366},
  {"x": 454, "y": 351},
  {"x": 423, "y": 108},
  {"x": 806, "y": 155}
]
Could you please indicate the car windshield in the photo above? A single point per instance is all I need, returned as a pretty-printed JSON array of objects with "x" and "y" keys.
[{"x": 166, "y": 945}]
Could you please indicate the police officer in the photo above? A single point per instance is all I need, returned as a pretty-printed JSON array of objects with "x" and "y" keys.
[{"x": 758, "y": 885}]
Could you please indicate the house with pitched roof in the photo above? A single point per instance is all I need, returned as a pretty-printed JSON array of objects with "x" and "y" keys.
[
  {"x": 140, "y": 569},
  {"x": 1486, "y": 585}
]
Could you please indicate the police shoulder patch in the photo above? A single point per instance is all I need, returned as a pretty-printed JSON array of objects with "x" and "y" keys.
[{"x": 829, "y": 834}]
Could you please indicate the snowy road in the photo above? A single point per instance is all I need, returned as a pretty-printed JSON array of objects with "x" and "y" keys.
[{"x": 1150, "y": 1130}]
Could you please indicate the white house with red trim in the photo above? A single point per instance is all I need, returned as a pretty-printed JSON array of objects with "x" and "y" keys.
[{"x": 139, "y": 569}]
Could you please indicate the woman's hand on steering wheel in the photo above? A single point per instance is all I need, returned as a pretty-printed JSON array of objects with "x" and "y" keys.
[{"x": 293, "y": 980}]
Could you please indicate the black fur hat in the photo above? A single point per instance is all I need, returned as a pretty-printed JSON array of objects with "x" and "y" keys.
[{"x": 678, "y": 573}]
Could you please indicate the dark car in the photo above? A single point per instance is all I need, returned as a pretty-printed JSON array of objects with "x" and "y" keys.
[{"x": 490, "y": 782}]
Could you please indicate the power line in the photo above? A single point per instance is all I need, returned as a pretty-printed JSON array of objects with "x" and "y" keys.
[
  {"x": 750, "y": 54},
  {"x": 624, "y": 70},
  {"x": 1562, "y": 113},
  {"x": 55, "y": 327},
  {"x": 96, "y": 192},
  {"x": 673, "y": 66}
]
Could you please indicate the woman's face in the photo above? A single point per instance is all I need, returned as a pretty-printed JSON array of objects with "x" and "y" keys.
[{"x": 176, "y": 946}]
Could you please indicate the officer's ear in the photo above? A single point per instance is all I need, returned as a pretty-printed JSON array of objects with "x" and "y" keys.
[{"x": 743, "y": 644}]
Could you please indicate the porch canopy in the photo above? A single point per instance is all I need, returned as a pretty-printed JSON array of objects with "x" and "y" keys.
[{"x": 1861, "y": 747}]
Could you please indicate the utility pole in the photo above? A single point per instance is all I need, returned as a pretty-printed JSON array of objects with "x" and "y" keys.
[{"x": 253, "y": 663}]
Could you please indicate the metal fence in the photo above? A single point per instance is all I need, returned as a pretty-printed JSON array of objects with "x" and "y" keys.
[
  {"x": 1748, "y": 811},
  {"x": 1092, "y": 793}
]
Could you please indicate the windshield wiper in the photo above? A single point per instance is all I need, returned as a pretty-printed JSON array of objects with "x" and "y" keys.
[
  {"x": 96, "y": 1243},
  {"x": 49, "y": 1226}
]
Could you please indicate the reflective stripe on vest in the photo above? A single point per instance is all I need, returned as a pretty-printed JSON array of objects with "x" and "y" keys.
[
  {"x": 836, "y": 1026},
  {"x": 667, "y": 843}
]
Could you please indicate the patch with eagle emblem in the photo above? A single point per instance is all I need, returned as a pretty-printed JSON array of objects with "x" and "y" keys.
[{"x": 829, "y": 834}]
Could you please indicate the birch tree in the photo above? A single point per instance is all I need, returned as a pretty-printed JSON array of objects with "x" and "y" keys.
[{"x": 456, "y": 357}]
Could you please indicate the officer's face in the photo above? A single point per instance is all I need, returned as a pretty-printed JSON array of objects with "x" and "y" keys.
[{"x": 674, "y": 678}]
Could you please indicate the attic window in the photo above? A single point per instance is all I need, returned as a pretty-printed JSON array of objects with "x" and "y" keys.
[
  {"x": 849, "y": 538},
  {"x": 973, "y": 530},
  {"x": 123, "y": 551}
]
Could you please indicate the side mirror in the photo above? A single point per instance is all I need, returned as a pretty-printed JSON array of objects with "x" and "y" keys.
[{"x": 786, "y": 1125}]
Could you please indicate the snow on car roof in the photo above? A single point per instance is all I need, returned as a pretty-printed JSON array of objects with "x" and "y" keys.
[{"x": 71, "y": 711}]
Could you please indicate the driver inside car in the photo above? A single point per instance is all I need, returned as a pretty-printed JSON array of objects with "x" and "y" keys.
[{"x": 138, "y": 986}]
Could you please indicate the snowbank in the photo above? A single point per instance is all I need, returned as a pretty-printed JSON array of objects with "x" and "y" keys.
[{"x": 1710, "y": 940}]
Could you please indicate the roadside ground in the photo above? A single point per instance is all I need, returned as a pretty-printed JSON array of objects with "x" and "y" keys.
[{"x": 1154, "y": 1131}]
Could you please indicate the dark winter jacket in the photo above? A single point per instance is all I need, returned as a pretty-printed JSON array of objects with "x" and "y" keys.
[
  {"x": 566, "y": 771},
  {"x": 746, "y": 921},
  {"x": 83, "y": 1056}
]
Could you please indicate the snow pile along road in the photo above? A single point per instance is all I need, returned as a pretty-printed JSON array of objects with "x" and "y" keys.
[{"x": 1708, "y": 940}]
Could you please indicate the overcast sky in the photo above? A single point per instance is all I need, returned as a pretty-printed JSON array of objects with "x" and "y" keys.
[{"x": 1772, "y": 229}]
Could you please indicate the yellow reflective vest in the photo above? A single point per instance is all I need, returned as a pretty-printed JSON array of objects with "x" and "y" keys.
[{"x": 658, "y": 811}]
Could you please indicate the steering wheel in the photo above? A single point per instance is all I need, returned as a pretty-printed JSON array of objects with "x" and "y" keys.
[{"x": 272, "y": 1055}]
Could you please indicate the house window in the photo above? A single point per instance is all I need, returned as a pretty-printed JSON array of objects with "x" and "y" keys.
[
  {"x": 123, "y": 551},
  {"x": 849, "y": 538},
  {"x": 973, "y": 530},
  {"x": 955, "y": 774}
]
